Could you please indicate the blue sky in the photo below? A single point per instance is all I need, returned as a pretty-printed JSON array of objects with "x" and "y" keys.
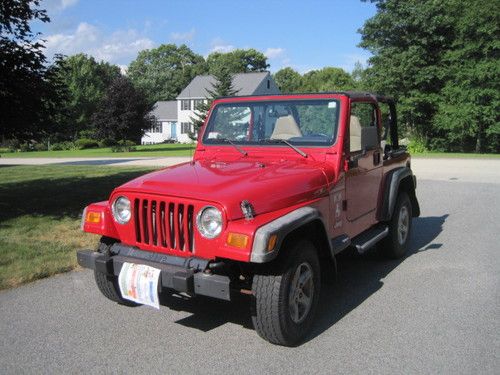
[{"x": 304, "y": 35}]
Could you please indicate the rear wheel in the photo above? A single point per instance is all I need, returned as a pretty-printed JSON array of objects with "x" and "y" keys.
[
  {"x": 108, "y": 285},
  {"x": 396, "y": 244},
  {"x": 286, "y": 301}
]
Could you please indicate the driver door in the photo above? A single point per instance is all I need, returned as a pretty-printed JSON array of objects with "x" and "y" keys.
[{"x": 365, "y": 167}]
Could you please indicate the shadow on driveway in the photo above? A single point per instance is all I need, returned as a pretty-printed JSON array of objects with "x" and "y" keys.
[{"x": 359, "y": 277}]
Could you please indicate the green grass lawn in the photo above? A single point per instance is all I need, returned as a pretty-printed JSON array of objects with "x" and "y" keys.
[
  {"x": 40, "y": 208},
  {"x": 159, "y": 150},
  {"x": 165, "y": 150}
]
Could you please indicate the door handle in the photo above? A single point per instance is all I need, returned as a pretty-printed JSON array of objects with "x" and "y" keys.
[{"x": 376, "y": 158}]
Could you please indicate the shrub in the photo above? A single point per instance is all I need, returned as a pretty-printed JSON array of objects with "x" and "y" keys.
[
  {"x": 41, "y": 146},
  {"x": 13, "y": 145},
  {"x": 85, "y": 143},
  {"x": 106, "y": 142},
  {"x": 123, "y": 146},
  {"x": 25, "y": 147},
  {"x": 62, "y": 146},
  {"x": 417, "y": 146}
]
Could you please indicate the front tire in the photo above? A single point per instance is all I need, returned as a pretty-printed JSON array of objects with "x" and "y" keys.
[
  {"x": 108, "y": 285},
  {"x": 286, "y": 301},
  {"x": 396, "y": 244}
]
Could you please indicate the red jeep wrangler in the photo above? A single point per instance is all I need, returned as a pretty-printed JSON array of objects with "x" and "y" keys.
[{"x": 278, "y": 186}]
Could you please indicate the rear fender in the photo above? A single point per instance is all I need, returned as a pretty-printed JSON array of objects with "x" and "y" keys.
[{"x": 396, "y": 180}]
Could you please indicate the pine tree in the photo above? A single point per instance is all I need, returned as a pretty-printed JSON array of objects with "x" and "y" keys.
[{"x": 222, "y": 87}]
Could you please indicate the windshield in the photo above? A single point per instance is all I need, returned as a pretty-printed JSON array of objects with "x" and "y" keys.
[{"x": 300, "y": 122}]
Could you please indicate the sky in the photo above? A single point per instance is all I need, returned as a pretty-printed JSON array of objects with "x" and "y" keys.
[{"x": 304, "y": 35}]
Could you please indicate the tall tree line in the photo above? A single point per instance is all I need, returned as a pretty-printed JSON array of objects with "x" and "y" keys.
[{"x": 439, "y": 59}]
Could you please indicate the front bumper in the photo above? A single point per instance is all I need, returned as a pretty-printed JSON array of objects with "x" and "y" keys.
[{"x": 180, "y": 274}]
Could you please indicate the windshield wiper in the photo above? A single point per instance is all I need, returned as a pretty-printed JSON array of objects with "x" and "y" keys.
[
  {"x": 243, "y": 152},
  {"x": 277, "y": 140}
]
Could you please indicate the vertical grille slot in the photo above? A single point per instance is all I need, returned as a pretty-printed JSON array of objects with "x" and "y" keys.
[
  {"x": 164, "y": 224},
  {"x": 180, "y": 225},
  {"x": 189, "y": 227},
  {"x": 160, "y": 220},
  {"x": 144, "y": 221},
  {"x": 171, "y": 225},
  {"x": 137, "y": 220}
]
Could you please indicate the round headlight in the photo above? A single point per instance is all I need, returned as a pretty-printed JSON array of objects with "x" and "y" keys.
[
  {"x": 209, "y": 222},
  {"x": 121, "y": 210}
]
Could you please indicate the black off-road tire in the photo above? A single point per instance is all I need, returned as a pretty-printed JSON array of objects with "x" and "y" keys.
[
  {"x": 392, "y": 246},
  {"x": 108, "y": 285},
  {"x": 272, "y": 317}
]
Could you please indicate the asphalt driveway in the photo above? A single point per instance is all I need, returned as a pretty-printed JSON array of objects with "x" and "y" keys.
[{"x": 436, "y": 311}]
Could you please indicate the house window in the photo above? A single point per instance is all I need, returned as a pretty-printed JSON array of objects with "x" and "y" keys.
[
  {"x": 157, "y": 127},
  {"x": 197, "y": 102},
  {"x": 186, "y": 127},
  {"x": 185, "y": 104}
]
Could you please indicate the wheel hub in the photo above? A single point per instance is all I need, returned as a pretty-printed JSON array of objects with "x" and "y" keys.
[
  {"x": 403, "y": 224},
  {"x": 301, "y": 293}
]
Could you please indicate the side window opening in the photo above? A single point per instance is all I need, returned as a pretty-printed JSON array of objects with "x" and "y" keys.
[{"x": 363, "y": 127}]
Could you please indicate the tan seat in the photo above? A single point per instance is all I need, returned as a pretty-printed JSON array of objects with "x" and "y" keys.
[
  {"x": 286, "y": 128},
  {"x": 355, "y": 134}
]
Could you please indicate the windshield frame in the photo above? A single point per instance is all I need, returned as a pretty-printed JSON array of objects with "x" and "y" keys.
[{"x": 274, "y": 101}]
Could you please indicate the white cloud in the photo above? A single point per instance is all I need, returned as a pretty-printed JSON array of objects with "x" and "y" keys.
[
  {"x": 272, "y": 53},
  {"x": 118, "y": 48},
  {"x": 223, "y": 48},
  {"x": 219, "y": 45},
  {"x": 57, "y": 5},
  {"x": 68, "y": 3},
  {"x": 183, "y": 37},
  {"x": 349, "y": 60},
  {"x": 123, "y": 69}
]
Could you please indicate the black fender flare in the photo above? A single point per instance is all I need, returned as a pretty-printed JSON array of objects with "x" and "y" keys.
[
  {"x": 394, "y": 180},
  {"x": 282, "y": 227}
]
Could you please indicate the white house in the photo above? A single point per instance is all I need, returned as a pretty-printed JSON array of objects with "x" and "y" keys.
[
  {"x": 258, "y": 83},
  {"x": 165, "y": 127}
]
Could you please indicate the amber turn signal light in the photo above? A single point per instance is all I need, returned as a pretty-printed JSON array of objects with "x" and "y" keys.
[
  {"x": 237, "y": 240},
  {"x": 272, "y": 242},
  {"x": 93, "y": 217}
]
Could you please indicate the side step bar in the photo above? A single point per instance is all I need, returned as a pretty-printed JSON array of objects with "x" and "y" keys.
[{"x": 369, "y": 238}]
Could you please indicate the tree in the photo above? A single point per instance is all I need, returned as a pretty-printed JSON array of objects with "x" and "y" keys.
[
  {"x": 469, "y": 105},
  {"x": 123, "y": 113},
  {"x": 440, "y": 60},
  {"x": 288, "y": 80},
  {"x": 86, "y": 81},
  {"x": 163, "y": 72},
  {"x": 28, "y": 94},
  {"x": 237, "y": 61},
  {"x": 327, "y": 79},
  {"x": 223, "y": 86}
]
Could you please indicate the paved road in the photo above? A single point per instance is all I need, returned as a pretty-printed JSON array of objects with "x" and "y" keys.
[{"x": 436, "y": 311}]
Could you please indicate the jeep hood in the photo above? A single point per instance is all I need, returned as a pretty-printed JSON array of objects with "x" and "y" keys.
[{"x": 267, "y": 186}]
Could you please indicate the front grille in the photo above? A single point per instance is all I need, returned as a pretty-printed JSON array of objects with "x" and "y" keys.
[{"x": 164, "y": 224}]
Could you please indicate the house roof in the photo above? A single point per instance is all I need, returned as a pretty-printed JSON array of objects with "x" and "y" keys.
[
  {"x": 245, "y": 83},
  {"x": 165, "y": 110}
]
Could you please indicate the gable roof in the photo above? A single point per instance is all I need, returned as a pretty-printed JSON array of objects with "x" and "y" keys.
[
  {"x": 165, "y": 110},
  {"x": 245, "y": 83}
]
